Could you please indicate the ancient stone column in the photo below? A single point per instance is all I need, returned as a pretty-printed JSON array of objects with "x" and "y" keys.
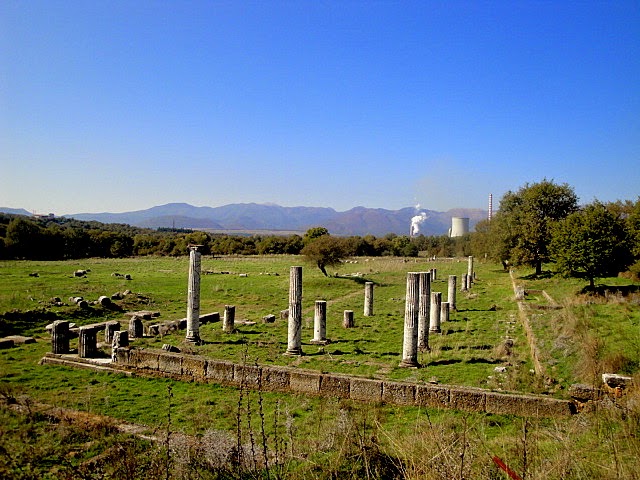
[
  {"x": 348, "y": 321},
  {"x": 193, "y": 296},
  {"x": 294, "y": 333},
  {"x": 87, "y": 342},
  {"x": 109, "y": 328},
  {"x": 120, "y": 339},
  {"x": 229, "y": 319},
  {"x": 434, "y": 274},
  {"x": 136, "y": 328},
  {"x": 60, "y": 337},
  {"x": 320, "y": 323},
  {"x": 444, "y": 312},
  {"x": 410, "y": 340},
  {"x": 464, "y": 283},
  {"x": 424, "y": 305},
  {"x": 436, "y": 301},
  {"x": 470, "y": 270},
  {"x": 368, "y": 299},
  {"x": 451, "y": 292}
]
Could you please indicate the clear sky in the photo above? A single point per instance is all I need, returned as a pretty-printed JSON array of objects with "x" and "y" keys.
[{"x": 123, "y": 105}]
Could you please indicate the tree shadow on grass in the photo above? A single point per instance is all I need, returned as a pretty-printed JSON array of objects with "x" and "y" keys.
[
  {"x": 602, "y": 290},
  {"x": 483, "y": 360},
  {"x": 359, "y": 280},
  {"x": 449, "y": 361},
  {"x": 544, "y": 275}
]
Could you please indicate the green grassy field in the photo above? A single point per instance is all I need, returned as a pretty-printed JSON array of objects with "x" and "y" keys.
[{"x": 331, "y": 438}]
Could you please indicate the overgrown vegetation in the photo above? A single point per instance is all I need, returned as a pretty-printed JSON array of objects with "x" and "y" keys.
[{"x": 57, "y": 422}]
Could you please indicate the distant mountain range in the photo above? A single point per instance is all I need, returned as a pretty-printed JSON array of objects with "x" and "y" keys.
[{"x": 269, "y": 217}]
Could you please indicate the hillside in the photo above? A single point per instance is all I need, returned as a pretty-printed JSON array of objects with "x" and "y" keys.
[{"x": 253, "y": 216}]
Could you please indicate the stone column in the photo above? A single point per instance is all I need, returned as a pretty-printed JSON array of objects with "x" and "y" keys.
[
  {"x": 320, "y": 323},
  {"x": 444, "y": 312},
  {"x": 120, "y": 339},
  {"x": 451, "y": 292},
  {"x": 87, "y": 342},
  {"x": 470, "y": 270},
  {"x": 229, "y": 319},
  {"x": 60, "y": 337},
  {"x": 109, "y": 329},
  {"x": 436, "y": 301},
  {"x": 410, "y": 340},
  {"x": 368, "y": 299},
  {"x": 136, "y": 329},
  {"x": 347, "y": 321},
  {"x": 434, "y": 274},
  {"x": 294, "y": 333},
  {"x": 424, "y": 305},
  {"x": 463, "y": 286},
  {"x": 193, "y": 296}
]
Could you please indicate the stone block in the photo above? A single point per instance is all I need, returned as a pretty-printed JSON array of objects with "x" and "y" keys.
[
  {"x": 305, "y": 382},
  {"x": 433, "y": 396},
  {"x": 398, "y": 393},
  {"x": 335, "y": 386},
  {"x": 248, "y": 375},
  {"x": 194, "y": 366},
  {"x": 526, "y": 405},
  {"x": 220, "y": 371},
  {"x": 469, "y": 400},
  {"x": 366, "y": 390},
  {"x": 276, "y": 379},
  {"x": 142, "y": 358},
  {"x": 170, "y": 363}
]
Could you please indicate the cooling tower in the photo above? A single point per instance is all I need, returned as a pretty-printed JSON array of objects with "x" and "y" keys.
[{"x": 459, "y": 226}]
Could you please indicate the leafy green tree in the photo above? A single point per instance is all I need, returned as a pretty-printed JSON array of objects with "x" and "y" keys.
[
  {"x": 591, "y": 242},
  {"x": 324, "y": 251},
  {"x": 314, "y": 233},
  {"x": 23, "y": 238},
  {"x": 525, "y": 220},
  {"x": 633, "y": 227}
]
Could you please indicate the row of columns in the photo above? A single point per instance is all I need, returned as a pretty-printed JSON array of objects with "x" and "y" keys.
[
  {"x": 87, "y": 338},
  {"x": 424, "y": 311}
]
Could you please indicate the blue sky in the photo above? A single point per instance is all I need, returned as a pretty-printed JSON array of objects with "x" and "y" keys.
[{"x": 119, "y": 105}]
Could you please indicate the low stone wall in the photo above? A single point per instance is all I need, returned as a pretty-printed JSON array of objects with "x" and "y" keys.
[{"x": 308, "y": 382}]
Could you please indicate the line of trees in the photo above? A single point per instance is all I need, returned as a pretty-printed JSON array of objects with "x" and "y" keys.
[
  {"x": 60, "y": 238},
  {"x": 537, "y": 225}
]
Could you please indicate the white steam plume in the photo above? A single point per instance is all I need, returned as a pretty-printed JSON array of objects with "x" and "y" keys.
[{"x": 416, "y": 221}]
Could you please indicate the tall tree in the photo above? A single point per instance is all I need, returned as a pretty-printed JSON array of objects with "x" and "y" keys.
[
  {"x": 592, "y": 243},
  {"x": 325, "y": 251},
  {"x": 526, "y": 217}
]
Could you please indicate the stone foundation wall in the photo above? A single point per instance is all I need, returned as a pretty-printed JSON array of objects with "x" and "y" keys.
[{"x": 299, "y": 381}]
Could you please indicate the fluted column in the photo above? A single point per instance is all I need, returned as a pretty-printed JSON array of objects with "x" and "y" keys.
[
  {"x": 470, "y": 271},
  {"x": 410, "y": 340},
  {"x": 451, "y": 293},
  {"x": 60, "y": 337},
  {"x": 368, "y": 299},
  {"x": 87, "y": 342},
  {"x": 294, "y": 333},
  {"x": 444, "y": 312},
  {"x": 109, "y": 329},
  {"x": 436, "y": 301},
  {"x": 424, "y": 304},
  {"x": 193, "y": 296},
  {"x": 320, "y": 323}
]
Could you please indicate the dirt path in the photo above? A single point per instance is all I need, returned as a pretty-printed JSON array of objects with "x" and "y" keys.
[{"x": 524, "y": 317}]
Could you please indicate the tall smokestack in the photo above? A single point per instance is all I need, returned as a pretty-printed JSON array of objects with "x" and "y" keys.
[{"x": 490, "y": 206}]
